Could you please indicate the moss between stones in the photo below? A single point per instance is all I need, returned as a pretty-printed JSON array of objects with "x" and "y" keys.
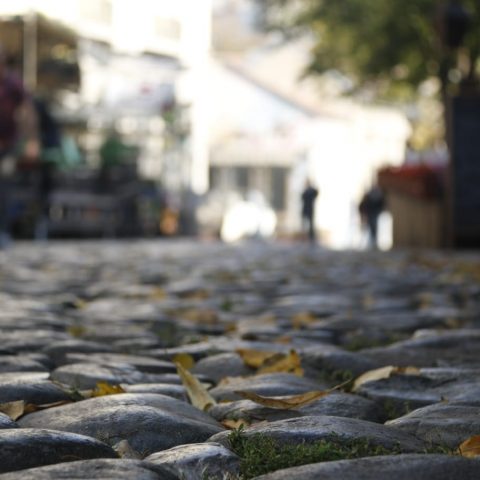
[{"x": 261, "y": 454}]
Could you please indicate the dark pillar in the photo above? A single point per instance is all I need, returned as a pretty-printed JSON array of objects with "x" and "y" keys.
[{"x": 465, "y": 171}]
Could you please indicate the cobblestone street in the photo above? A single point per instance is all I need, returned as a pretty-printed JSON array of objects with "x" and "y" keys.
[{"x": 183, "y": 360}]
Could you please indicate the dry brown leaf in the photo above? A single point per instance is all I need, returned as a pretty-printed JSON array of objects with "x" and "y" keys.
[
  {"x": 185, "y": 360},
  {"x": 280, "y": 362},
  {"x": 302, "y": 319},
  {"x": 31, "y": 407},
  {"x": 470, "y": 448},
  {"x": 197, "y": 393},
  {"x": 288, "y": 402},
  {"x": 254, "y": 358},
  {"x": 283, "y": 340},
  {"x": 233, "y": 424},
  {"x": 200, "y": 316},
  {"x": 157, "y": 293},
  {"x": 105, "y": 388},
  {"x": 76, "y": 330},
  {"x": 381, "y": 373},
  {"x": 13, "y": 409},
  {"x": 368, "y": 301},
  {"x": 198, "y": 294}
]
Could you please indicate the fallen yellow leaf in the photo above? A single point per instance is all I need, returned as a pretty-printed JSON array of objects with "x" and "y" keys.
[
  {"x": 283, "y": 339},
  {"x": 234, "y": 424},
  {"x": 302, "y": 319},
  {"x": 288, "y": 402},
  {"x": 157, "y": 293},
  {"x": 280, "y": 362},
  {"x": 200, "y": 316},
  {"x": 105, "y": 388},
  {"x": 185, "y": 360},
  {"x": 76, "y": 330},
  {"x": 381, "y": 373},
  {"x": 13, "y": 409},
  {"x": 254, "y": 358},
  {"x": 471, "y": 447},
  {"x": 368, "y": 301},
  {"x": 79, "y": 303},
  {"x": 199, "y": 294},
  {"x": 197, "y": 393}
]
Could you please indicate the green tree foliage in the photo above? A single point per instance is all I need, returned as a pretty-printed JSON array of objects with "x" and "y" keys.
[{"x": 392, "y": 44}]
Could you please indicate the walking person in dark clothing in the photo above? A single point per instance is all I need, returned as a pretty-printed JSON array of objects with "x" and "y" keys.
[
  {"x": 309, "y": 195},
  {"x": 370, "y": 208},
  {"x": 50, "y": 156}
]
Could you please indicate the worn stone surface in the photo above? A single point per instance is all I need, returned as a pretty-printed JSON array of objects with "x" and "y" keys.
[
  {"x": 103, "y": 469},
  {"x": 403, "y": 393},
  {"x": 217, "y": 367},
  {"x": 23, "y": 448},
  {"x": 442, "y": 423},
  {"x": 149, "y": 422},
  {"x": 398, "y": 467},
  {"x": 74, "y": 314},
  {"x": 57, "y": 351},
  {"x": 199, "y": 461},
  {"x": 34, "y": 391},
  {"x": 142, "y": 364},
  {"x": 335, "y": 404},
  {"x": 6, "y": 422},
  {"x": 431, "y": 349},
  {"x": 175, "y": 391},
  {"x": 270, "y": 384},
  {"x": 313, "y": 429}
]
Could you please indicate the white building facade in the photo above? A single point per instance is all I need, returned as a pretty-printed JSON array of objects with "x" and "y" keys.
[{"x": 136, "y": 57}]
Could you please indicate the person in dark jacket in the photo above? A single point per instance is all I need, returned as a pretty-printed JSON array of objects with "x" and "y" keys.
[
  {"x": 370, "y": 208},
  {"x": 309, "y": 195}
]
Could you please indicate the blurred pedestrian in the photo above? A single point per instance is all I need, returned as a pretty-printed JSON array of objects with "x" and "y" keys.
[
  {"x": 309, "y": 195},
  {"x": 17, "y": 124},
  {"x": 50, "y": 157},
  {"x": 371, "y": 206}
]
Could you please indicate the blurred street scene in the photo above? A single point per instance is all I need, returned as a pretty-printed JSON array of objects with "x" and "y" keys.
[{"x": 207, "y": 118}]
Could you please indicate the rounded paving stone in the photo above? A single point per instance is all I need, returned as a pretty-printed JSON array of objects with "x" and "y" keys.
[
  {"x": 199, "y": 461},
  {"x": 175, "y": 391},
  {"x": 443, "y": 424},
  {"x": 313, "y": 429},
  {"x": 22, "y": 448},
  {"x": 217, "y": 367},
  {"x": 103, "y": 469},
  {"x": 271, "y": 384},
  {"x": 58, "y": 350},
  {"x": 38, "y": 392},
  {"x": 85, "y": 407},
  {"x": 391, "y": 467},
  {"x": 142, "y": 364},
  {"x": 149, "y": 422},
  {"x": 6, "y": 421},
  {"x": 12, "y": 363},
  {"x": 336, "y": 404}
]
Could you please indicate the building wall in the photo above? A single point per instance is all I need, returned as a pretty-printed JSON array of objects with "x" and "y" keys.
[
  {"x": 257, "y": 130},
  {"x": 177, "y": 29}
]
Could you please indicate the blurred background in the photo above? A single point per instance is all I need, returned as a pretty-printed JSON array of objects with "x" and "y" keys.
[{"x": 207, "y": 117}]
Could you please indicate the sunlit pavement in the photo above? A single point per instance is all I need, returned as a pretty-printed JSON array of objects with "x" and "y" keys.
[{"x": 108, "y": 319}]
